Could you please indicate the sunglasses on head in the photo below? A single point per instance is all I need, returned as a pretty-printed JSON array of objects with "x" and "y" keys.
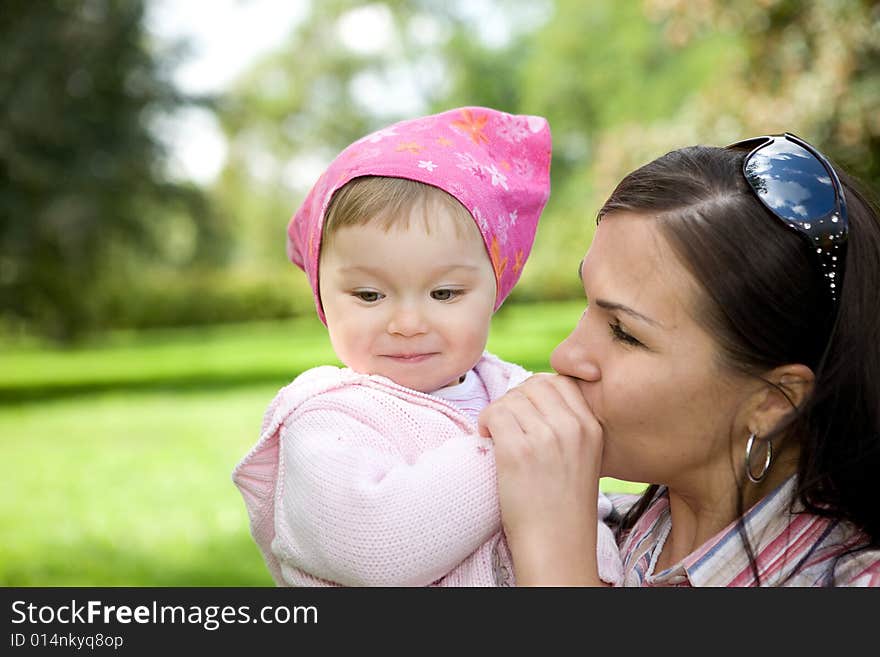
[{"x": 798, "y": 185}]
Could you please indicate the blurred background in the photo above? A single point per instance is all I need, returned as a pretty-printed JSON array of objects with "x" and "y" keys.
[{"x": 152, "y": 151}]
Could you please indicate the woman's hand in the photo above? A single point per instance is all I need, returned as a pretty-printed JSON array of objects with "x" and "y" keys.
[{"x": 548, "y": 449}]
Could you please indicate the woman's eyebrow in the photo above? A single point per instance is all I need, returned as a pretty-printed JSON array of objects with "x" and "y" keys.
[{"x": 611, "y": 305}]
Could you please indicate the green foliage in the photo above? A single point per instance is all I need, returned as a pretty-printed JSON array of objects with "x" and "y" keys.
[
  {"x": 585, "y": 66},
  {"x": 808, "y": 68},
  {"x": 93, "y": 236},
  {"x": 207, "y": 296},
  {"x": 297, "y": 108},
  {"x": 80, "y": 169}
]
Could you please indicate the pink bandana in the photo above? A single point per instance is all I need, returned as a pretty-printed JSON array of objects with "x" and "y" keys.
[{"x": 496, "y": 164}]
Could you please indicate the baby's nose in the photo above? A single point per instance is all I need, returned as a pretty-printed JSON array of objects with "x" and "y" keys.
[{"x": 407, "y": 320}]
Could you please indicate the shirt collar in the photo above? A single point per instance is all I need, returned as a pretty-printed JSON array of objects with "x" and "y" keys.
[
  {"x": 781, "y": 536},
  {"x": 723, "y": 560}
]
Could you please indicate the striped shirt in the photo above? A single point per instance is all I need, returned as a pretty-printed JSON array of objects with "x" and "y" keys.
[{"x": 791, "y": 548}]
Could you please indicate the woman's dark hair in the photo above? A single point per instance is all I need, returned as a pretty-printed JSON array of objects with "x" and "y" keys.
[{"x": 766, "y": 305}]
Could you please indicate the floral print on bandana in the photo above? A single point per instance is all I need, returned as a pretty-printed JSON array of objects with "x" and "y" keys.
[{"x": 497, "y": 165}]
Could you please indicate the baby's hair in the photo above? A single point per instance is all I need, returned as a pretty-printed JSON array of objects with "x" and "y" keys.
[{"x": 391, "y": 202}]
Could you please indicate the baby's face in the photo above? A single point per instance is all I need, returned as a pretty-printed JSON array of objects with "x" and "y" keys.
[{"x": 407, "y": 304}]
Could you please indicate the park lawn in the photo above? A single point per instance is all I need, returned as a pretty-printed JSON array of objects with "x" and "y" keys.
[
  {"x": 128, "y": 489},
  {"x": 219, "y": 356},
  {"x": 117, "y": 455}
]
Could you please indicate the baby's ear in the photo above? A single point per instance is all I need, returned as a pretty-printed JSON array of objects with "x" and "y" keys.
[{"x": 790, "y": 386}]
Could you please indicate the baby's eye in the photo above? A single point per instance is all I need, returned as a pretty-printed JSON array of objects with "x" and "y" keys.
[
  {"x": 445, "y": 294},
  {"x": 367, "y": 296}
]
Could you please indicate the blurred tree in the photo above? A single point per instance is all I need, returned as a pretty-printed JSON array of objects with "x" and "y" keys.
[
  {"x": 620, "y": 82},
  {"x": 83, "y": 193},
  {"x": 812, "y": 68},
  {"x": 592, "y": 67},
  {"x": 349, "y": 68}
]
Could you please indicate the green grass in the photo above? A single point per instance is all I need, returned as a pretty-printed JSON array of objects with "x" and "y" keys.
[
  {"x": 116, "y": 456},
  {"x": 235, "y": 354},
  {"x": 213, "y": 357},
  {"x": 128, "y": 489}
]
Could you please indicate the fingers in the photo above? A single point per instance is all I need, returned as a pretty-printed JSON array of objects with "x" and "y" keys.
[
  {"x": 528, "y": 416},
  {"x": 548, "y": 391},
  {"x": 560, "y": 400},
  {"x": 551, "y": 398},
  {"x": 546, "y": 411},
  {"x": 497, "y": 420},
  {"x": 548, "y": 449}
]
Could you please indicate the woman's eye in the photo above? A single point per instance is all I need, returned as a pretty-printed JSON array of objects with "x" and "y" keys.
[
  {"x": 368, "y": 296},
  {"x": 618, "y": 333},
  {"x": 445, "y": 294}
]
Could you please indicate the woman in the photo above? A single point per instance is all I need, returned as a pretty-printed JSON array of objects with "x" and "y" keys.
[{"x": 729, "y": 356}]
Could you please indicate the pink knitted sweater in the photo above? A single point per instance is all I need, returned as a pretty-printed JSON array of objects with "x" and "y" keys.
[{"x": 357, "y": 481}]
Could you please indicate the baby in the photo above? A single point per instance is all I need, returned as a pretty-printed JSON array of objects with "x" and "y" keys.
[{"x": 374, "y": 474}]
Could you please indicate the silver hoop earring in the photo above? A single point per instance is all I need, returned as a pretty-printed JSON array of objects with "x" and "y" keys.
[{"x": 757, "y": 478}]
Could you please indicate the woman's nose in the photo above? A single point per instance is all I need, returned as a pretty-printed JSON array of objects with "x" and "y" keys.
[{"x": 572, "y": 357}]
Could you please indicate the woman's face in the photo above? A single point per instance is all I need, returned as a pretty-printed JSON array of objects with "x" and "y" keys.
[{"x": 667, "y": 406}]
